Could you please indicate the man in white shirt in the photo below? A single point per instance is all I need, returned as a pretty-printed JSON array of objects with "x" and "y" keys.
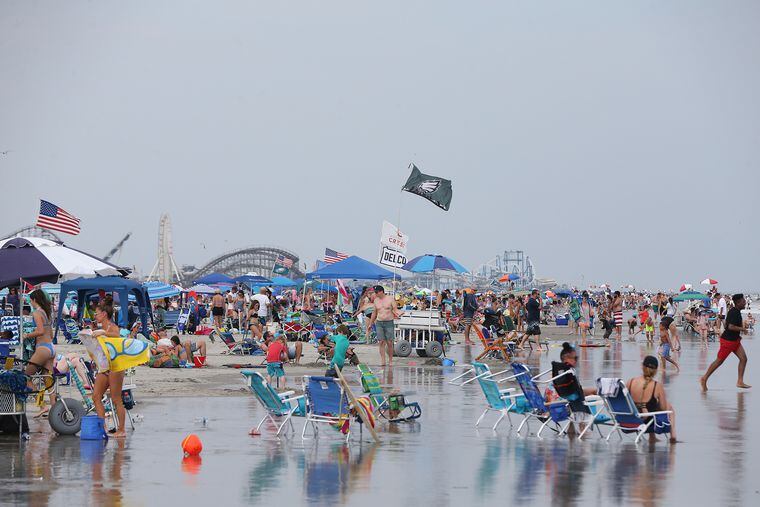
[{"x": 264, "y": 304}]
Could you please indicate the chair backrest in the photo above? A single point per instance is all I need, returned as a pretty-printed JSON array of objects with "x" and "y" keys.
[
  {"x": 228, "y": 339},
  {"x": 567, "y": 386},
  {"x": 265, "y": 393},
  {"x": 622, "y": 407},
  {"x": 489, "y": 386},
  {"x": 529, "y": 388},
  {"x": 482, "y": 334},
  {"x": 371, "y": 385},
  {"x": 325, "y": 396}
]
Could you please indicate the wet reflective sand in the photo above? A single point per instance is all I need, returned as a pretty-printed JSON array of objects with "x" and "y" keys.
[{"x": 442, "y": 460}]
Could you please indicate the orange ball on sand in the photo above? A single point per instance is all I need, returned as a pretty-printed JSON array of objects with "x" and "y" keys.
[{"x": 192, "y": 445}]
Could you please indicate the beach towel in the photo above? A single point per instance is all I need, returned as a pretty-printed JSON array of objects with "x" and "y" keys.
[
  {"x": 124, "y": 353},
  {"x": 608, "y": 387}
]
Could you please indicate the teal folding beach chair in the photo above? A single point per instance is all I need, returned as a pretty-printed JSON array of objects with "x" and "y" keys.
[
  {"x": 277, "y": 405},
  {"x": 626, "y": 417},
  {"x": 498, "y": 400},
  {"x": 326, "y": 403}
]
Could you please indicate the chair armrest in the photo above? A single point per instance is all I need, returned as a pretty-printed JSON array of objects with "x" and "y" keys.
[
  {"x": 542, "y": 374},
  {"x": 652, "y": 414},
  {"x": 511, "y": 377},
  {"x": 505, "y": 391},
  {"x": 566, "y": 372},
  {"x": 285, "y": 394},
  {"x": 294, "y": 398}
]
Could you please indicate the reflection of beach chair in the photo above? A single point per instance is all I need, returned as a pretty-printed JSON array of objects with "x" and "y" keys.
[
  {"x": 584, "y": 409},
  {"x": 277, "y": 405},
  {"x": 556, "y": 412},
  {"x": 393, "y": 407},
  {"x": 626, "y": 418},
  {"x": 242, "y": 348},
  {"x": 493, "y": 346},
  {"x": 326, "y": 403},
  {"x": 498, "y": 400}
]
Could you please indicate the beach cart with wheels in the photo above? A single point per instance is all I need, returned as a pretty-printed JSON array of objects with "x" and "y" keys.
[{"x": 422, "y": 331}]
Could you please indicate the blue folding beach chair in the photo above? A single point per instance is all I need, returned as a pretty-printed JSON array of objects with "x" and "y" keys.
[
  {"x": 326, "y": 403},
  {"x": 626, "y": 417},
  {"x": 277, "y": 405},
  {"x": 498, "y": 400},
  {"x": 556, "y": 412}
]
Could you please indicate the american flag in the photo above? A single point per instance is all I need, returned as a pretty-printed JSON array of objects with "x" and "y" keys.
[
  {"x": 284, "y": 261},
  {"x": 333, "y": 256},
  {"x": 54, "y": 218}
]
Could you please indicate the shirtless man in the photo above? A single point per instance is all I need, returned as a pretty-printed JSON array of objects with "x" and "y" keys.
[
  {"x": 617, "y": 314},
  {"x": 383, "y": 315},
  {"x": 217, "y": 308}
]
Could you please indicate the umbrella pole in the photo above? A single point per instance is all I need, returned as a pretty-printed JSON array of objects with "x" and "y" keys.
[
  {"x": 398, "y": 228},
  {"x": 21, "y": 316}
]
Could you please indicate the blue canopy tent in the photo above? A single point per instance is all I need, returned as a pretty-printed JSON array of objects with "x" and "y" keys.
[
  {"x": 353, "y": 268},
  {"x": 214, "y": 278},
  {"x": 281, "y": 281},
  {"x": 85, "y": 287}
]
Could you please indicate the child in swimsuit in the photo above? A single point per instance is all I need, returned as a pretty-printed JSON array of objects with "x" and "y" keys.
[{"x": 664, "y": 349}]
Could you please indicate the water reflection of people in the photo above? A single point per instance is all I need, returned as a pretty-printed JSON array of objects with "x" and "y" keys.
[{"x": 641, "y": 474}]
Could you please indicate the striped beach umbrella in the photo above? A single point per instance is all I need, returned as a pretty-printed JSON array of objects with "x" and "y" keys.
[
  {"x": 37, "y": 260},
  {"x": 429, "y": 263}
]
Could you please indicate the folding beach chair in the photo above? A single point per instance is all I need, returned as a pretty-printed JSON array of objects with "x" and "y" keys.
[
  {"x": 385, "y": 405},
  {"x": 556, "y": 412},
  {"x": 277, "y": 405},
  {"x": 493, "y": 346},
  {"x": 584, "y": 409},
  {"x": 626, "y": 418},
  {"x": 326, "y": 403},
  {"x": 498, "y": 400},
  {"x": 233, "y": 347},
  {"x": 70, "y": 330}
]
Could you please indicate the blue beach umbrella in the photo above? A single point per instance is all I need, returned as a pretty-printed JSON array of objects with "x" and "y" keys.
[{"x": 429, "y": 263}]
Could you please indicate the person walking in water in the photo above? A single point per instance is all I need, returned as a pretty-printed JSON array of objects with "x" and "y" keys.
[
  {"x": 731, "y": 343},
  {"x": 617, "y": 313},
  {"x": 382, "y": 317}
]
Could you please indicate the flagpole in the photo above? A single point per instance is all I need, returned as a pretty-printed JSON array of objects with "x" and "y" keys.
[{"x": 398, "y": 229}]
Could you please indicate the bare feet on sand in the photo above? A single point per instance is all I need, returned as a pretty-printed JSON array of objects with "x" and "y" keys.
[{"x": 743, "y": 385}]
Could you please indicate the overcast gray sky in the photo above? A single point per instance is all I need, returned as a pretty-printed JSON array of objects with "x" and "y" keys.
[{"x": 611, "y": 140}]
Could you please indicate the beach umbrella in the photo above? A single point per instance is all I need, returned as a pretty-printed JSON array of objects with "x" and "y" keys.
[
  {"x": 160, "y": 290},
  {"x": 690, "y": 295},
  {"x": 709, "y": 281},
  {"x": 429, "y": 263},
  {"x": 201, "y": 289},
  {"x": 684, "y": 287},
  {"x": 215, "y": 278},
  {"x": 550, "y": 294},
  {"x": 281, "y": 281},
  {"x": 39, "y": 260},
  {"x": 509, "y": 277}
]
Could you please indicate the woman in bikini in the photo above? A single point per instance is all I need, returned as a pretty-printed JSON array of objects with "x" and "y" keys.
[
  {"x": 43, "y": 357},
  {"x": 649, "y": 395},
  {"x": 111, "y": 380}
]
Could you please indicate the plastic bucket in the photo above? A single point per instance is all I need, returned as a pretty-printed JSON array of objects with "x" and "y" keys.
[
  {"x": 199, "y": 361},
  {"x": 92, "y": 428},
  {"x": 448, "y": 362}
]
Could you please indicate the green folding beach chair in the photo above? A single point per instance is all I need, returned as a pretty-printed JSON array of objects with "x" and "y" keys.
[{"x": 393, "y": 407}]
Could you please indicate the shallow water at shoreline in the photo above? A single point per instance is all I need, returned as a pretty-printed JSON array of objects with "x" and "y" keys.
[{"x": 441, "y": 460}]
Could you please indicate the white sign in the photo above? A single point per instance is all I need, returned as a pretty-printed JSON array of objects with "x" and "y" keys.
[
  {"x": 393, "y": 238},
  {"x": 392, "y": 258}
]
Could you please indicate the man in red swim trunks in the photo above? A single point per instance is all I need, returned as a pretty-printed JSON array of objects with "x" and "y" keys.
[{"x": 731, "y": 342}]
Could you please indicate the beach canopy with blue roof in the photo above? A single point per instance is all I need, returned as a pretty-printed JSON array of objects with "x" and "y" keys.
[
  {"x": 352, "y": 268},
  {"x": 215, "y": 278},
  {"x": 86, "y": 287}
]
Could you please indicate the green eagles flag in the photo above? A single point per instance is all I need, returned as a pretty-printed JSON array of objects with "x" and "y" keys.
[{"x": 434, "y": 189}]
